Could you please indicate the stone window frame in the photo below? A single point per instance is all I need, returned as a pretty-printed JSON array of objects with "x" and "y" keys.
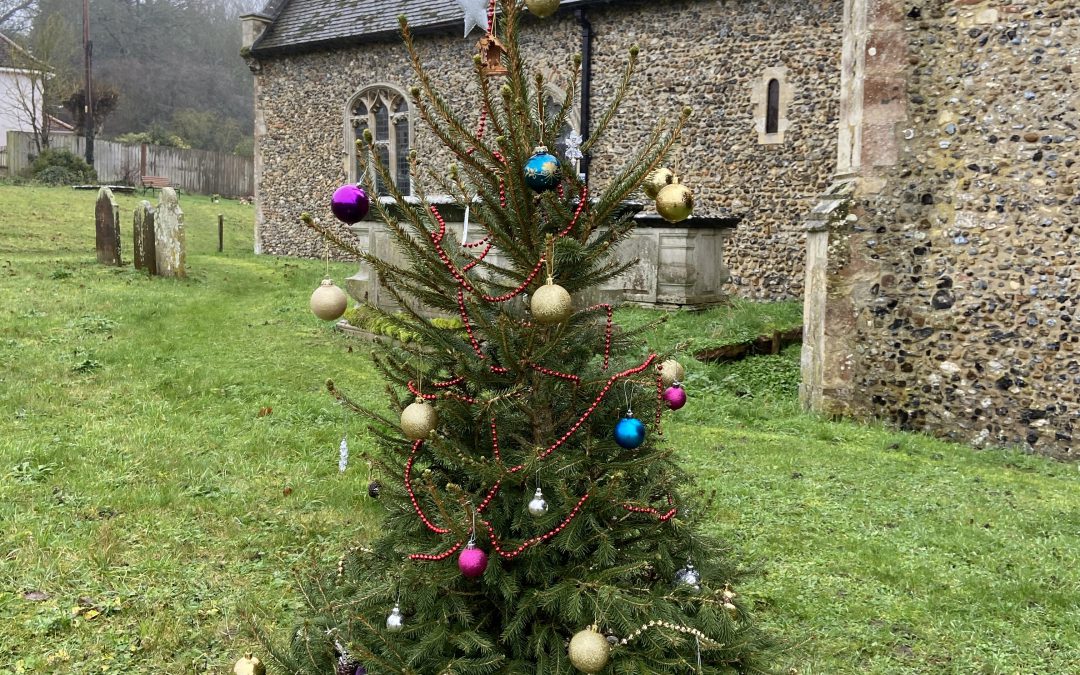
[
  {"x": 759, "y": 96},
  {"x": 391, "y": 96}
]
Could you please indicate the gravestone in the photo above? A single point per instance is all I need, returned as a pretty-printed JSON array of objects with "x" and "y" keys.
[
  {"x": 169, "y": 246},
  {"x": 144, "y": 247},
  {"x": 107, "y": 228}
]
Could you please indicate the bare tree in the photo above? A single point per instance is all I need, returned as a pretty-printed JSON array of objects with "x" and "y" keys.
[{"x": 15, "y": 15}]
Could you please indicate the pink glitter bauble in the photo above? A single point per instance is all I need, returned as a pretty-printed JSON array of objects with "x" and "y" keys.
[
  {"x": 472, "y": 562},
  {"x": 349, "y": 204},
  {"x": 675, "y": 397}
]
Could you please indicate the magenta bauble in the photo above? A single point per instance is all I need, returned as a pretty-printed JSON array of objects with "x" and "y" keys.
[
  {"x": 349, "y": 204},
  {"x": 472, "y": 562},
  {"x": 675, "y": 397}
]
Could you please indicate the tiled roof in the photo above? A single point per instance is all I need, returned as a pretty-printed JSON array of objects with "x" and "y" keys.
[{"x": 304, "y": 24}]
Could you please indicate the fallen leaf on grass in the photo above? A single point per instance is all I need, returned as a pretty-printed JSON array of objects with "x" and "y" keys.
[
  {"x": 36, "y": 596},
  {"x": 263, "y": 412}
]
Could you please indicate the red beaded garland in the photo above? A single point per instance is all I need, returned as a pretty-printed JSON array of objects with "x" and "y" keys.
[
  {"x": 577, "y": 212},
  {"x": 468, "y": 326},
  {"x": 412, "y": 495},
  {"x": 589, "y": 411},
  {"x": 423, "y": 557},
  {"x": 416, "y": 392},
  {"x": 554, "y": 373},
  {"x": 607, "y": 330},
  {"x": 662, "y": 517},
  {"x": 509, "y": 555},
  {"x": 478, "y": 259}
]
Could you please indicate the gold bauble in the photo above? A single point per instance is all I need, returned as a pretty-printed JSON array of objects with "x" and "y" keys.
[
  {"x": 671, "y": 371},
  {"x": 328, "y": 302},
  {"x": 249, "y": 665},
  {"x": 551, "y": 304},
  {"x": 657, "y": 181},
  {"x": 675, "y": 202},
  {"x": 542, "y": 8},
  {"x": 589, "y": 651},
  {"x": 419, "y": 419}
]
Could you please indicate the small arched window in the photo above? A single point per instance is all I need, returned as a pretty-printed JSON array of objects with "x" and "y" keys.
[
  {"x": 385, "y": 111},
  {"x": 772, "y": 107}
]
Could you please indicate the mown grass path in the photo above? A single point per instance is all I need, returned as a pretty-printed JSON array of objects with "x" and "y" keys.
[{"x": 143, "y": 498}]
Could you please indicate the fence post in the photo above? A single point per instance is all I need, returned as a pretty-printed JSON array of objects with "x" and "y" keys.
[{"x": 220, "y": 232}]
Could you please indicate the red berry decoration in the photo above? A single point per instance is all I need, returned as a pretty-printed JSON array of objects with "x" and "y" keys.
[
  {"x": 349, "y": 204},
  {"x": 675, "y": 396}
]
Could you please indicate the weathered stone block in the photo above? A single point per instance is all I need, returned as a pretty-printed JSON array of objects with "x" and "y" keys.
[{"x": 144, "y": 245}]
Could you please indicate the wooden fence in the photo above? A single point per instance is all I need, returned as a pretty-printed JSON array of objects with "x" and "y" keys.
[{"x": 198, "y": 171}]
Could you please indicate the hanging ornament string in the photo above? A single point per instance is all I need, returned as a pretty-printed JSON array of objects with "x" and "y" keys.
[{"x": 326, "y": 243}]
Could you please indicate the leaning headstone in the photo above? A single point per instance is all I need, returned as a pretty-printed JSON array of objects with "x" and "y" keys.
[
  {"x": 169, "y": 244},
  {"x": 143, "y": 250},
  {"x": 107, "y": 228}
]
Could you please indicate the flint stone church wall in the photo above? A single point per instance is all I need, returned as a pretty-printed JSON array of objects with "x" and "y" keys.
[
  {"x": 964, "y": 267},
  {"x": 707, "y": 54}
]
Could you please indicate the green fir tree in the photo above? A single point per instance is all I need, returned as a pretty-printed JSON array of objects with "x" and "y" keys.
[{"x": 523, "y": 400}]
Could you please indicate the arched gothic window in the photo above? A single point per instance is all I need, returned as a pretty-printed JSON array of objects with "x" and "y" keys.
[{"x": 385, "y": 111}]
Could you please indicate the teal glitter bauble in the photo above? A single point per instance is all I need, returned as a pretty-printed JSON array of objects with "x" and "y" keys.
[
  {"x": 543, "y": 171},
  {"x": 630, "y": 432}
]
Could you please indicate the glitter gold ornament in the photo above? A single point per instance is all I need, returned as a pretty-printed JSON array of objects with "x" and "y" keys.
[
  {"x": 542, "y": 8},
  {"x": 675, "y": 202},
  {"x": 657, "y": 181},
  {"x": 419, "y": 419},
  {"x": 589, "y": 651},
  {"x": 671, "y": 371},
  {"x": 249, "y": 665},
  {"x": 328, "y": 302},
  {"x": 551, "y": 304}
]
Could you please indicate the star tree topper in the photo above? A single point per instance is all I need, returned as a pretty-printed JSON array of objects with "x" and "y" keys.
[{"x": 476, "y": 14}]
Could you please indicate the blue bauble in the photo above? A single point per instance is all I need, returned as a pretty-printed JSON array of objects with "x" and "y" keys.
[
  {"x": 630, "y": 432},
  {"x": 543, "y": 171}
]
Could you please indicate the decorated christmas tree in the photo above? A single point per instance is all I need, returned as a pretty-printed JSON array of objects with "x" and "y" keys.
[{"x": 536, "y": 517}]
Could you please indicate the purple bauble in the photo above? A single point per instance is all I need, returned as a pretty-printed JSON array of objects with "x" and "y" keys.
[
  {"x": 349, "y": 204},
  {"x": 473, "y": 562},
  {"x": 360, "y": 670},
  {"x": 675, "y": 396}
]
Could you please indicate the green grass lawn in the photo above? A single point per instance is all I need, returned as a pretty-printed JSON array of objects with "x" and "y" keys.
[{"x": 144, "y": 500}]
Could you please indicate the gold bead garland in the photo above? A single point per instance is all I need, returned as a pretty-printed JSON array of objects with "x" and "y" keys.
[{"x": 706, "y": 641}]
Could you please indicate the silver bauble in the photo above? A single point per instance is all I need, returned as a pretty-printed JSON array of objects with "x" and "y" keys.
[
  {"x": 671, "y": 371},
  {"x": 328, "y": 302},
  {"x": 537, "y": 506},
  {"x": 551, "y": 304},
  {"x": 589, "y": 651},
  {"x": 688, "y": 576},
  {"x": 395, "y": 622},
  {"x": 418, "y": 420},
  {"x": 657, "y": 181}
]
